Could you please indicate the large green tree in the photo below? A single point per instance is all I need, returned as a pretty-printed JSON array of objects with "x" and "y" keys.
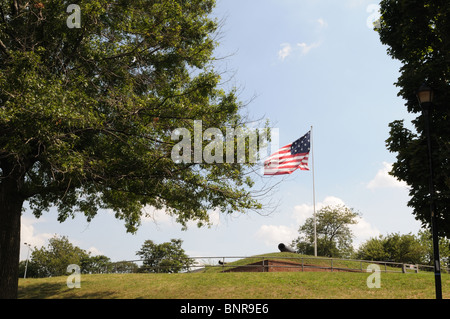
[
  {"x": 87, "y": 112},
  {"x": 53, "y": 260},
  {"x": 425, "y": 239},
  {"x": 417, "y": 33},
  {"x": 167, "y": 257},
  {"x": 394, "y": 247},
  {"x": 407, "y": 248},
  {"x": 334, "y": 236}
]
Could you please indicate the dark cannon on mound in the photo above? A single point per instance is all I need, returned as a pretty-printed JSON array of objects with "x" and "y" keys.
[{"x": 285, "y": 249}]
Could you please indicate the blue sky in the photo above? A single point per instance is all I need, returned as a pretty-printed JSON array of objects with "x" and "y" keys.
[{"x": 300, "y": 63}]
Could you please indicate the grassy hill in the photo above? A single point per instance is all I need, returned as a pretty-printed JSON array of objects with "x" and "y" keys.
[
  {"x": 212, "y": 284},
  {"x": 300, "y": 259},
  {"x": 299, "y": 285}
]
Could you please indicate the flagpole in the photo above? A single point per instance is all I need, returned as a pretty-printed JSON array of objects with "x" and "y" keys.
[{"x": 314, "y": 193}]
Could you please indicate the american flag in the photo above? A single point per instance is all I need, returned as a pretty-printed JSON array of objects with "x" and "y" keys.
[{"x": 290, "y": 157}]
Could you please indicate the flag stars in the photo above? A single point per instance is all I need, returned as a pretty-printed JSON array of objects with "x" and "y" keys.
[{"x": 302, "y": 145}]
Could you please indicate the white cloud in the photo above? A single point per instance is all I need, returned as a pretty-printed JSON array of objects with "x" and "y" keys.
[
  {"x": 322, "y": 23},
  {"x": 94, "y": 251},
  {"x": 304, "y": 211},
  {"x": 305, "y": 48},
  {"x": 272, "y": 235},
  {"x": 157, "y": 216},
  {"x": 285, "y": 51},
  {"x": 363, "y": 231},
  {"x": 384, "y": 180},
  {"x": 28, "y": 235},
  {"x": 301, "y": 48}
]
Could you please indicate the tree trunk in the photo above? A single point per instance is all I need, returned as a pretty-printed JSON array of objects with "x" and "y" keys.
[{"x": 11, "y": 203}]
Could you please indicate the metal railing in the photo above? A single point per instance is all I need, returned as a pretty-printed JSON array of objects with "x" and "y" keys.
[
  {"x": 311, "y": 263},
  {"x": 267, "y": 263}
]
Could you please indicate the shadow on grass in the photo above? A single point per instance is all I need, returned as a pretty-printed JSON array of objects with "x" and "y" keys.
[{"x": 58, "y": 291}]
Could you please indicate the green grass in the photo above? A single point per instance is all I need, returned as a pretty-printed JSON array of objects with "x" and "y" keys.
[
  {"x": 305, "y": 259},
  {"x": 213, "y": 284},
  {"x": 293, "y": 285}
]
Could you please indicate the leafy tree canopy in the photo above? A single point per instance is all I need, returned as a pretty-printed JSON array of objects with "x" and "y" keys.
[
  {"x": 60, "y": 252},
  {"x": 164, "y": 258},
  {"x": 86, "y": 114},
  {"x": 394, "y": 248},
  {"x": 334, "y": 237},
  {"x": 54, "y": 259},
  {"x": 407, "y": 248},
  {"x": 417, "y": 33}
]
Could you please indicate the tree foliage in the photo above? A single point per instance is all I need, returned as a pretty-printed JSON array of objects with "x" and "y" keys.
[
  {"x": 394, "y": 248},
  {"x": 417, "y": 33},
  {"x": 123, "y": 267},
  {"x": 167, "y": 257},
  {"x": 53, "y": 260},
  {"x": 95, "y": 264},
  {"x": 86, "y": 114},
  {"x": 425, "y": 239},
  {"x": 334, "y": 237},
  {"x": 407, "y": 248}
]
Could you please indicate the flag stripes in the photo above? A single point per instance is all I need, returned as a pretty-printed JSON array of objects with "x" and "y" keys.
[{"x": 289, "y": 158}]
